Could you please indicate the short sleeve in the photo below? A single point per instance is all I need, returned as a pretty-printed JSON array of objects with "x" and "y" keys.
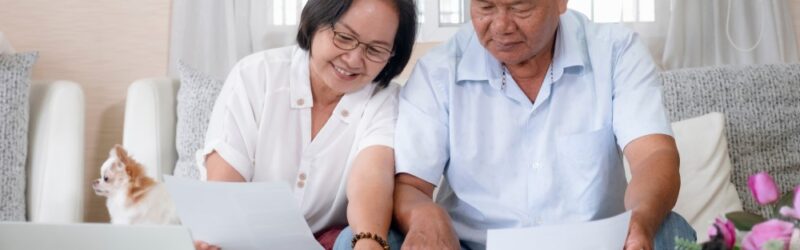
[
  {"x": 232, "y": 130},
  {"x": 638, "y": 103},
  {"x": 382, "y": 118},
  {"x": 421, "y": 137}
]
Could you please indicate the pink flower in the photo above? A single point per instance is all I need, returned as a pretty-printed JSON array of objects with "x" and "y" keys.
[
  {"x": 724, "y": 228},
  {"x": 773, "y": 229},
  {"x": 793, "y": 211},
  {"x": 763, "y": 188}
]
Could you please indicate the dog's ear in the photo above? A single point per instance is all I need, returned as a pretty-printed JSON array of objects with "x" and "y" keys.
[{"x": 120, "y": 153}]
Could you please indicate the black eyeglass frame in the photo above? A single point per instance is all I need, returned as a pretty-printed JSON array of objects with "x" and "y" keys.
[{"x": 358, "y": 43}]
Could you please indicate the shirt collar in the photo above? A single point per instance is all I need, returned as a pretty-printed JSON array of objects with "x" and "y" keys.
[
  {"x": 570, "y": 53},
  {"x": 351, "y": 105},
  {"x": 477, "y": 64}
]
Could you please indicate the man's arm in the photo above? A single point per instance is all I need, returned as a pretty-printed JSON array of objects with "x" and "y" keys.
[
  {"x": 426, "y": 225},
  {"x": 653, "y": 189}
]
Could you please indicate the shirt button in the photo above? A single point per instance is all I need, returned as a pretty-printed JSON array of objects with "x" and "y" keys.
[
  {"x": 302, "y": 176},
  {"x": 300, "y": 184},
  {"x": 345, "y": 113},
  {"x": 300, "y": 102},
  {"x": 537, "y": 165}
]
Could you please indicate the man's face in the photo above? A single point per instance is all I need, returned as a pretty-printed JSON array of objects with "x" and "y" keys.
[{"x": 515, "y": 31}]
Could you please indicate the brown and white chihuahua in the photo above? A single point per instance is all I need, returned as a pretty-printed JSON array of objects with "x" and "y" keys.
[{"x": 131, "y": 196}]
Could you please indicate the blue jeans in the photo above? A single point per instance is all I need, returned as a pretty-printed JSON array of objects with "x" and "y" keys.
[{"x": 673, "y": 226}]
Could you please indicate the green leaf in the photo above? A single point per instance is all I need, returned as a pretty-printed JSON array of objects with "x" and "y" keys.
[
  {"x": 744, "y": 221},
  {"x": 684, "y": 244},
  {"x": 773, "y": 245},
  {"x": 786, "y": 200}
]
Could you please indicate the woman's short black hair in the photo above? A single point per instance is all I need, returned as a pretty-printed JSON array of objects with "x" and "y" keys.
[{"x": 323, "y": 13}]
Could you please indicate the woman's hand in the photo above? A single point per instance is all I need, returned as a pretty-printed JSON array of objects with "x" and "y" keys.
[
  {"x": 367, "y": 244},
  {"x": 201, "y": 245}
]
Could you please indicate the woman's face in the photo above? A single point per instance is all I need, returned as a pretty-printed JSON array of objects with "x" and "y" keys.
[{"x": 372, "y": 25}]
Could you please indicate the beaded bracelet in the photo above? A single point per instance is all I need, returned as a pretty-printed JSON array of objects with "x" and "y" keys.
[{"x": 367, "y": 235}]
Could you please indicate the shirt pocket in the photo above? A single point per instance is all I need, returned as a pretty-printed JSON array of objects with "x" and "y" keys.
[
  {"x": 586, "y": 150},
  {"x": 585, "y": 170}
]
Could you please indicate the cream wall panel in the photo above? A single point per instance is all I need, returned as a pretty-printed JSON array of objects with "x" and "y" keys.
[{"x": 102, "y": 44}]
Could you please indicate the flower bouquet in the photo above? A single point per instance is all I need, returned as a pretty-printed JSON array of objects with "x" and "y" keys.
[{"x": 748, "y": 231}]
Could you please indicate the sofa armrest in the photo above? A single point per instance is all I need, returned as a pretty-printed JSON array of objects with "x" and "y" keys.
[
  {"x": 149, "y": 128},
  {"x": 55, "y": 161}
]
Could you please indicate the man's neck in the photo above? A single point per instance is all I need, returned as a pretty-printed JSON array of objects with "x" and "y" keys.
[{"x": 534, "y": 67}]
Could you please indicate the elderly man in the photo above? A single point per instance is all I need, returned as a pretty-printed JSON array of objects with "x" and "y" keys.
[{"x": 526, "y": 113}]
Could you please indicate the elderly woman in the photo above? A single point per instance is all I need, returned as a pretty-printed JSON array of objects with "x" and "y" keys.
[{"x": 320, "y": 116}]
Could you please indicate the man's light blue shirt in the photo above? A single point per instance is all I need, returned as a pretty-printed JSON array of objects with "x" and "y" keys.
[{"x": 510, "y": 162}]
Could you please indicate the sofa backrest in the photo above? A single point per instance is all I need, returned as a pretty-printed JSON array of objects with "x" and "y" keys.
[{"x": 762, "y": 108}]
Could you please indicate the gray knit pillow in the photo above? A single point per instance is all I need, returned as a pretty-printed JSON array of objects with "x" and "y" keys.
[
  {"x": 15, "y": 74},
  {"x": 196, "y": 96},
  {"x": 761, "y": 104}
]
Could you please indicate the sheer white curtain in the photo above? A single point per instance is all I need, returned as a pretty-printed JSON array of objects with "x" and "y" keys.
[
  {"x": 212, "y": 35},
  {"x": 719, "y": 32}
]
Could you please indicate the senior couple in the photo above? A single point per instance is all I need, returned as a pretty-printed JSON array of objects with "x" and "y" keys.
[{"x": 525, "y": 114}]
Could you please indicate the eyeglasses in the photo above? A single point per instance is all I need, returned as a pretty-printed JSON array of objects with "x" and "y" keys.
[{"x": 349, "y": 42}]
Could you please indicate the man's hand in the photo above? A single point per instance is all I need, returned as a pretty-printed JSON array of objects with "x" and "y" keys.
[
  {"x": 639, "y": 237},
  {"x": 430, "y": 228}
]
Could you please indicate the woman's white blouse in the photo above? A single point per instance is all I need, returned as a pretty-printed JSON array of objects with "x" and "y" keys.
[{"x": 261, "y": 125}]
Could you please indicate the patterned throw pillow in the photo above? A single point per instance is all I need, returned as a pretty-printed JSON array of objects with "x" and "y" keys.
[
  {"x": 15, "y": 74},
  {"x": 196, "y": 96}
]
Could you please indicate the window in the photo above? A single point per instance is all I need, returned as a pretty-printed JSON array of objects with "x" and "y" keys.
[
  {"x": 286, "y": 12},
  {"x": 449, "y": 14},
  {"x": 613, "y": 11},
  {"x": 453, "y": 12},
  {"x": 440, "y": 19}
]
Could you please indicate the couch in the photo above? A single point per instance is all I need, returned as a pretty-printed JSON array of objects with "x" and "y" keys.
[
  {"x": 55, "y": 162},
  {"x": 761, "y": 104},
  {"x": 149, "y": 132}
]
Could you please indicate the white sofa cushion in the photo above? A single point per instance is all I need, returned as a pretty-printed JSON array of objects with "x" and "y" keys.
[
  {"x": 706, "y": 188},
  {"x": 15, "y": 74}
]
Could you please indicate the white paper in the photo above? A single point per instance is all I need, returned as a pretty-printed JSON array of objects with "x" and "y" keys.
[
  {"x": 241, "y": 216},
  {"x": 603, "y": 234}
]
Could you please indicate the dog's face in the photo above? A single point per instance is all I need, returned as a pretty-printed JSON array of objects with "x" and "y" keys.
[{"x": 113, "y": 174}]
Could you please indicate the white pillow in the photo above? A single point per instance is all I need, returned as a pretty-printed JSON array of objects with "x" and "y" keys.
[{"x": 706, "y": 188}]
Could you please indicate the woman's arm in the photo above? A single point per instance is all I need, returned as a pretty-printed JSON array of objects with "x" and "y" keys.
[
  {"x": 370, "y": 188},
  {"x": 219, "y": 169}
]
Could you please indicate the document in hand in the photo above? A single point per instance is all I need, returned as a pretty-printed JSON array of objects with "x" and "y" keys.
[
  {"x": 602, "y": 234},
  {"x": 241, "y": 216}
]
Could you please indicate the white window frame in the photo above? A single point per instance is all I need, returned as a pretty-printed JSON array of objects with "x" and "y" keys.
[{"x": 431, "y": 30}]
